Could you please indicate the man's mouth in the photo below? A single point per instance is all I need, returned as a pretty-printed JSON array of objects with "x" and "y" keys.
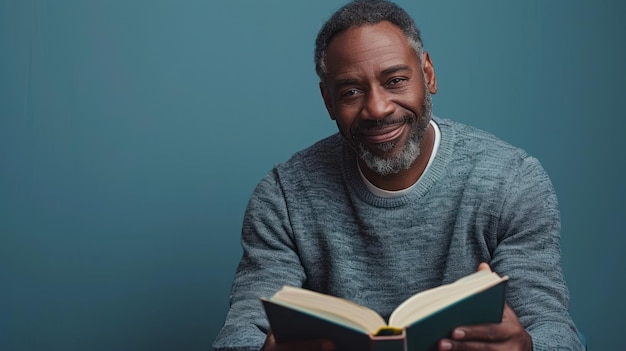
[{"x": 382, "y": 134}]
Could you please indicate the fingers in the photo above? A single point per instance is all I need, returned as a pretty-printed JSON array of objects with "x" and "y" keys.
[
  {"x": 446, "y": 345},
  {"x": 490, "y": 332},
  {"x": 484, "y": 266},
  {"x": 483, "y": 332},
  {"x": 507, "y": 335}
]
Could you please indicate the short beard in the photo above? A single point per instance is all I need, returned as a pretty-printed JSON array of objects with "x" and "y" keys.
[{"x": 408, "y": 155}]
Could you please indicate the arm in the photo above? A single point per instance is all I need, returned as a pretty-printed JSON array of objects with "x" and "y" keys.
[
  {"x": 269, "y": 261},
  {"x": 528, "y": 251},
  {"x": 508, "y": 335}
]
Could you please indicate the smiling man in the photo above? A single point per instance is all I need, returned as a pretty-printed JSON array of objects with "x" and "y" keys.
[
  {"x": 377, "y": 89},
  {"x": 399, "y": 202}
]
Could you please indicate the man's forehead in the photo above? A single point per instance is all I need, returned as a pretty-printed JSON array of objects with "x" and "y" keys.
[
  {"x": 375, "y": 46},
  {"x": 368, "y": 29}
]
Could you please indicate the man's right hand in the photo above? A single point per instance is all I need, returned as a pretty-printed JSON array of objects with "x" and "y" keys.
[{"x": 307, "y": 345}]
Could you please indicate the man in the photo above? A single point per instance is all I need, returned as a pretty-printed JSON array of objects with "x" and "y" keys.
[{"x": 399, "y": 202}]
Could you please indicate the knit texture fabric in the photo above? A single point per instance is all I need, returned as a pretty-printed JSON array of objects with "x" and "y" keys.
[{"x": 312, "y": 222}]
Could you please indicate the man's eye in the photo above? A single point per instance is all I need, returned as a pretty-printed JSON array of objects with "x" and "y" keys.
[
  {"x": 395, "y": 81},
  {"x": 349, "y": 93}
]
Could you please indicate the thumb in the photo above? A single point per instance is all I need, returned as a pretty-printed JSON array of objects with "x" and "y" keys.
[{"x": 484, "y": 266}]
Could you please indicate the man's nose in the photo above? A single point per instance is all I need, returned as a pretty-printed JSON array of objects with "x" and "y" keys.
[{"x": 377, "y": 104}]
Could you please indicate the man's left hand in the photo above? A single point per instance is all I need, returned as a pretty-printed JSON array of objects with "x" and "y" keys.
[{"x": 507, "y": 335}]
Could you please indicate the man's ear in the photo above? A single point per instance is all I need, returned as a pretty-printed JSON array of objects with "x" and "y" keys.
[
  {"x": 327, "y": 100},
  {"x": 429, "y": 73}
]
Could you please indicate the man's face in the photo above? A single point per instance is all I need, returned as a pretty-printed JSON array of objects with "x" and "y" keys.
[{"x": 379, "y": 95}]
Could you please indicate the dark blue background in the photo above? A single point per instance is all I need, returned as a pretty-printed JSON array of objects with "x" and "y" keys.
[{"x": 133, "y": 132}]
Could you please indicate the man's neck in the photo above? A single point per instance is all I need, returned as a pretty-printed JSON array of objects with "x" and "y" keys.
[{"x": 408, "y": 177}]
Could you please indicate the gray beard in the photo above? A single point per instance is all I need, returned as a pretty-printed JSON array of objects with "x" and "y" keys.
[{"x": 408, "y": 155}]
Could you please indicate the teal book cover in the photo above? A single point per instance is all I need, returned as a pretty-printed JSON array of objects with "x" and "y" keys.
[
  {"x": 290, "y": 324},
  {"x": 484, "y": 307}
]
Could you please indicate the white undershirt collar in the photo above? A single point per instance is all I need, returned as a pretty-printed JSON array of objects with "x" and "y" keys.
[{"x": 387, "y": 193}]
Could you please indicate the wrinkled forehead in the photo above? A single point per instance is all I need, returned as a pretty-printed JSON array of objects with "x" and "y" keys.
[{"x": 367, "y": 44}]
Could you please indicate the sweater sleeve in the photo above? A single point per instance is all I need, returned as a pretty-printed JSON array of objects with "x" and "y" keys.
[
  {"x": 528, "y": 250},
  {"x": 269, "y": 261}
]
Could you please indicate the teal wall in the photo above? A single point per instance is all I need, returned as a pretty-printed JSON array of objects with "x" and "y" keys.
[{"x": 132, "y": 133}]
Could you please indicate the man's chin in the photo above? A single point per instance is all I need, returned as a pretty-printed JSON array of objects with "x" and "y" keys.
[
  {"x": 393, "y": 161},
  {"x": 386, "y": 151}
]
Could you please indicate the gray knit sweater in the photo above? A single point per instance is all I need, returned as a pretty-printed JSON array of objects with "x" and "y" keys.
[{"x": 312, "y": 222}]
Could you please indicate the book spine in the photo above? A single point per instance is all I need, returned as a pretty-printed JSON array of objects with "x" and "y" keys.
[{"x": 388, "y": 342}]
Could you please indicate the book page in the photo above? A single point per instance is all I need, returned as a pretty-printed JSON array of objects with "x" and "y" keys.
[
  {"x": 429, "y": 301},
  {"x": 332, "y": 308}
]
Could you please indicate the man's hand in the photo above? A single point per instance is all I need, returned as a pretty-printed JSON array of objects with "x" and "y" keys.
[
  {"x": 508, "y": 335},
  {"x": 308, "y": 345}
]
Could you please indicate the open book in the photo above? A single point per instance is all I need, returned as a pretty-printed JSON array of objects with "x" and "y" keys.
[{"x": 417, "y": 324}]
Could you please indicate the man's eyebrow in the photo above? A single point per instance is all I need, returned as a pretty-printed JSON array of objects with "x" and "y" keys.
[
  {"x": 395, "y": 69},
  {"x": 387, "y": 71},
  {"x": 345, "y": 82}
]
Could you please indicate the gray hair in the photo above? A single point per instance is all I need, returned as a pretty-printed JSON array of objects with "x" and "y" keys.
[{"x": 360, "y": 12}]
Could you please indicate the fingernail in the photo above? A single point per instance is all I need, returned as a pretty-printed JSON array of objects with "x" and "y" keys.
[
  {"x": 458, "y": 333},
  {"x": 445, "y": 345}
]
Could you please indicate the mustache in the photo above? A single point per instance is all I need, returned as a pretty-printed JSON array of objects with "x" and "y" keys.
[{"x": 362, "y": 126}]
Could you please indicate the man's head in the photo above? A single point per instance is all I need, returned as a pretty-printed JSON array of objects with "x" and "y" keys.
[
  {"x": 376, "y": 82},
  {"x": 358, "y": 13}
]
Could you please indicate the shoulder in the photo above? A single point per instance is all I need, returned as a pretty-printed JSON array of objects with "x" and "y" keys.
[
  {"x": 320, "y": 158},
  {"x": 319, "y": 163},
  {"x": 478, "y": 147},
  {"x": 324, "y": 150},
  {"x": 487, "y": 162},
  {"x": 480, "y": 140}
]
